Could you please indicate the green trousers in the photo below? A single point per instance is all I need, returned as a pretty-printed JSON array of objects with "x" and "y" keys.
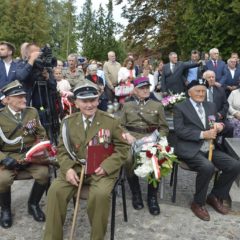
[
  {"x": 38, "y": 172},
  {"x": 98, "y": 206}
]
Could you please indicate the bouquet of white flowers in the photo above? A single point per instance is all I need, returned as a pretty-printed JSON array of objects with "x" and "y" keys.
[{"x": 154, "y": 160}]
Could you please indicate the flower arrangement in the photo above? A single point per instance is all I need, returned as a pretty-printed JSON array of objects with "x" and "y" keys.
[
  {"x": 154, "y": 160},
  {"x": 169, "y": 101}
]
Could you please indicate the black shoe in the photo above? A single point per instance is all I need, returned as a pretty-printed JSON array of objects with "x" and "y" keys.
[
  {"x": 6, "y": 218},
  {"x": 36, "y": 212},
  {"x": 137, "y": 201},
  {"x": 33, "y": 202},
  {"x": 153, "y": 206}
]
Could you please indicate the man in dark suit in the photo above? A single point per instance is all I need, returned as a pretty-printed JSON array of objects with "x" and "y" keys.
[
  {"x": 232, "y": 76},
  {"x": 193, "y": 131},
  {"x": 216, "y": 65},
  {"x": 173, "y": 79},
  {"x": 9, "y": 70},
  {"x": 217, "y": 95}
]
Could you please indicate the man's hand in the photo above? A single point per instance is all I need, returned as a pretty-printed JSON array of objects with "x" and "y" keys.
[
  {"x": 219, "y": 127},
  {"x": 130, "y": 139},
  {"x": 72, "y": 177},
  {"x": 9, "y": 163},
  {"x": 237, "y": 115},
  {"x": 100, "y": 172},
  {"x": 210, "y": 134},
  {"x": 45, "y": 74},
  {"x": 33, "y": 57}
]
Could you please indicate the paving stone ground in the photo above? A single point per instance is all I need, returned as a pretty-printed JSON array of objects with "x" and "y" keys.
[{"x": 176, "y": 221}]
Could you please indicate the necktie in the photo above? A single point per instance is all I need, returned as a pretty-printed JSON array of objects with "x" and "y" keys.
[
  {"x": 210, "y": 94},
  {"x": 88, "y": 124},
  {"x": 18, "y": 116},
  {"x": 215, "y": 64},
  {"x": 200, "y": 109}
]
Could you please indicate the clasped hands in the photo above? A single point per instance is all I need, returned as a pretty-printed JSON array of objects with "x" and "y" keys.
[
  {"x": 72, "y": 177},
  {"x": 212, "y": 133}
]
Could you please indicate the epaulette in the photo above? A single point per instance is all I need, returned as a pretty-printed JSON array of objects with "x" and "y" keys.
[
  {"x": 31, "y": 107},
  {"x": 70, "y": 116},
  {"x": 108, "y": 115}
]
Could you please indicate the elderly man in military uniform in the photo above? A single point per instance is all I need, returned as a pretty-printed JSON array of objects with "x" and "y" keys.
[
  {"x": 88, "y": 127},
  {"x": 20, "y": 128},
  {"x": 140, "y": 117}
]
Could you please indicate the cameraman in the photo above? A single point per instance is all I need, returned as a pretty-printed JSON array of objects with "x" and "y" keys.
[{"x": 41, "y": 86}]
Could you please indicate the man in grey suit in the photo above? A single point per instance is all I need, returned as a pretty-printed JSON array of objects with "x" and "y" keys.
[
  {"x": 193, "y": 131},
  {"x": 173, "y": 79}
]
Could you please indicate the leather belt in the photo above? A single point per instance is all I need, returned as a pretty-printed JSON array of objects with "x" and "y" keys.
[{"x": 141, "y": 130}]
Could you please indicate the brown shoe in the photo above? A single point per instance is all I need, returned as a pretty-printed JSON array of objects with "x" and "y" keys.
[
  {"x": 217, "y": 204},
  {"x": 200, "y": 211}
]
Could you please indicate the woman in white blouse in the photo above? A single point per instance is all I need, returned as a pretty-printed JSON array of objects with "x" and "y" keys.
[
  {"x": 126, "y": 74},
  {"x": 234, "y": 111}
]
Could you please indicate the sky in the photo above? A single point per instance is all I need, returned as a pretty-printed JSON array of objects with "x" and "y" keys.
[{"x": 117, "y": 10}]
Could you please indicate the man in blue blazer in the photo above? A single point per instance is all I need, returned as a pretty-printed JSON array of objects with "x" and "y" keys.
[
  {"x": 216, "y": 65},
  {"x": 232, "y": 76},
  {"x": 10, "y": 70}
]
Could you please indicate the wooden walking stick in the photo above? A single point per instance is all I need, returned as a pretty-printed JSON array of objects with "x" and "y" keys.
[
  {"x": 77, "y": 204},
  {"x": 211, "y": 121}
]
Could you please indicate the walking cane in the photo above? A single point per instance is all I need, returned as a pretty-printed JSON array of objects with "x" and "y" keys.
[
  {"x": 77, "y": 202},
  {"x": 211, "y": 121},
  {"x": 210, "y": 153}
]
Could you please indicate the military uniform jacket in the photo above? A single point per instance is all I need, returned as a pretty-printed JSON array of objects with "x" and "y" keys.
[
  {"x": 143, "y": 115},
  {"x": 29, "y": 128},
  {"x": 102, "y": 122},
  {"x": 73, "y": 78}
]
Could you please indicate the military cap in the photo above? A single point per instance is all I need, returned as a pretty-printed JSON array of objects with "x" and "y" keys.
[
  {"x": 86, "y": 91},
  {"x": 13, "y": 89},
  {"x": 200, "y": 81},
  {"x": 10, "y": 45},
  {"x": 141, "y": 81}
]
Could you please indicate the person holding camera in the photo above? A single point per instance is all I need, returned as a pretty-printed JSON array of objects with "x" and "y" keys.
[{"x": 20, "y": 129}]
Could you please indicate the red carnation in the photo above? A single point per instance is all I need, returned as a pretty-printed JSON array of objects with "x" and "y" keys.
[
  {"x": 149, "y": 154},
  {"x": 161, "y": 161},
  {"x": 168, "y": 148}
]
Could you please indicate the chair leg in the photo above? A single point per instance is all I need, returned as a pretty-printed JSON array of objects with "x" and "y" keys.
[
  {"x": 162, "y": 184},
  {"x": 216, "y": 178},
  {"x": 114, "y": 195},
  {"x": 175, "y": 182},
  {"x": 172, "y": 175},
  {"x": 124, "y": 200}
]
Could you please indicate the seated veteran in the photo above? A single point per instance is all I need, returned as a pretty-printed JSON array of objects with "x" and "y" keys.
[
  {"x": 140, "y": 117},
  {"x": 194, "y": 126},
  {"x": 217, "y": 95},
  {"x": 20, "y": 128},
  {"x": 88, "y": 127}
]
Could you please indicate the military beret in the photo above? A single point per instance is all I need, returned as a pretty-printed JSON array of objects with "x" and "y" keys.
[
  {"x": 86, "y": 91},
  {"x": 141, "y": 81},
  {"x": 13, "y": 89},
  {"x": 200, "y": 81}
]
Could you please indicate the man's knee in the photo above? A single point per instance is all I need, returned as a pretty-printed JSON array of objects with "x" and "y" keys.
[
  {"x": 101, "y": 194},
  {"x": 42, "y": 176},
  {"x": 6, "y": 180},
  {"x": 207, "y": 168}
]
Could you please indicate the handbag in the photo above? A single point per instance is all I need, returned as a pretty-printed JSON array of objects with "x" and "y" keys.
[{"x": 124, "y": 89}]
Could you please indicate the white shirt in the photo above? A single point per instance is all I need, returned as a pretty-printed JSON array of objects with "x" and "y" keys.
[
  {"x": 84, "y": 121},
  {"x": 7, "y": 66},
  {"x": 14, "y": 112},
  {"x": 201, "y": 116},
  {"x": 232, "y": 71}
]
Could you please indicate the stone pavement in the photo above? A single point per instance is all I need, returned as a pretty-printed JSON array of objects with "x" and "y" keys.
[{"x": 176, "y": 221}]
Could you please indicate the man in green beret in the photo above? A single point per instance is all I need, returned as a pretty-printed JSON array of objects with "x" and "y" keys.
[
  {"x": 20, "y": 128},
  {"x": 141, "y": 117},
  {"x": 88, "y": 127}
]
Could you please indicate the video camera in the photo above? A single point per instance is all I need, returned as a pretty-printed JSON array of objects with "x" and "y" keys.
[{"x": 45, "y": 59}]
